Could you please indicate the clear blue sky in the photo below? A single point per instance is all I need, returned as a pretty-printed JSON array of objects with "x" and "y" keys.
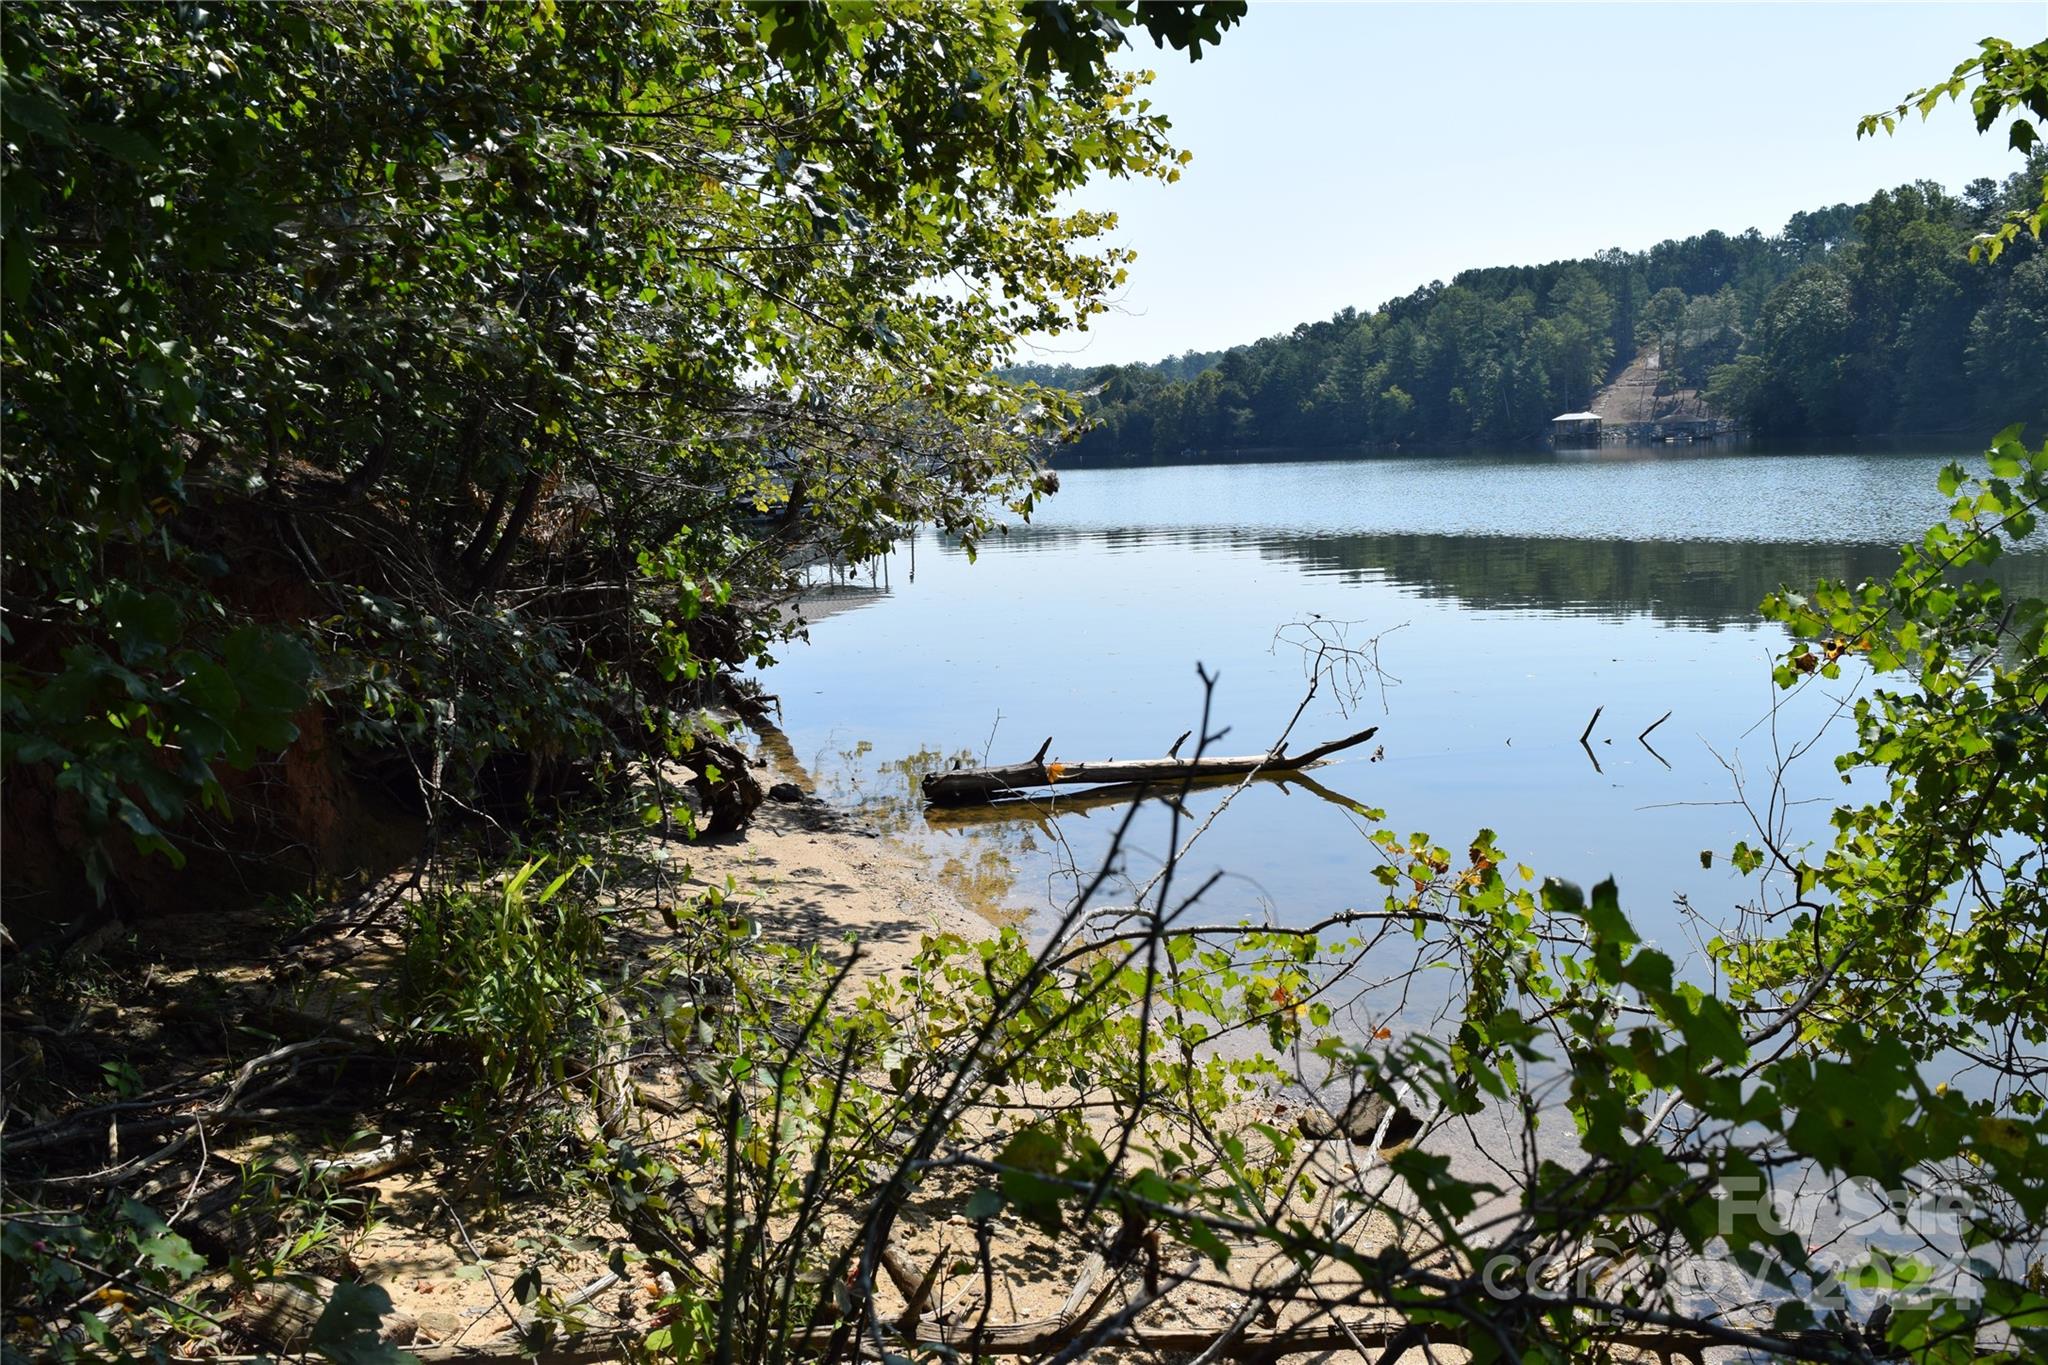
[{"x": 1347, "y": 153}]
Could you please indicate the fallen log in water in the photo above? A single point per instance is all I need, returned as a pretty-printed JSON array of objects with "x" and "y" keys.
[
  {"x": 1041, "y": 808},
  {"x": 972, "y": 786}
]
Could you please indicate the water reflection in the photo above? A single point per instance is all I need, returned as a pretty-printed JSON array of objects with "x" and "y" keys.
[
  {"x": 1527, "y": 594},
  {"x": 982, "y": 873},
  {"x": 1698, "y": 584},
  {"x": 1704, "y": 584}
]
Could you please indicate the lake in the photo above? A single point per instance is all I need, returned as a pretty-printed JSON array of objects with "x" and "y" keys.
[{"x": 1510, "y": 595}]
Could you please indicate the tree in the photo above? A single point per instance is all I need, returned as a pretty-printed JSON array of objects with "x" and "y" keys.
[
  {"x": 1805, "y": 330},
  {"x": 2008, "y": 350},
  {"x": 2002, "y": 79},
  {"x": 494, "y": 336},
  {"x": 1662, "y": 321}
]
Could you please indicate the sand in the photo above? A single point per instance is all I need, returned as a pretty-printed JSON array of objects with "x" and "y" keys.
[{"x": 453, "y": 1251}]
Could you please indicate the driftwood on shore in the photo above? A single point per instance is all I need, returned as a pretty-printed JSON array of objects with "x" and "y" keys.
[
  {"x": 974, "y": 786},
  {"x": 283, "y": 1315}
]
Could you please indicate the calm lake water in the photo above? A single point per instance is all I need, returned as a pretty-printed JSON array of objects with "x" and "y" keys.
[{"x": 1511, "y": 596}]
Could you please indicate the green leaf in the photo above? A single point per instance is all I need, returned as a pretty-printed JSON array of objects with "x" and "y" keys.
[
  {"x": 25, "y": 109},
  {"x": 1203, "y": 1238},
  {"x": 15, "y": 264},
  {"x": 208, "y": 686},
  {"x": 124, "y": 143},
  {"x": 166, "y": 1250},
  {"x": 1714, "y": 1027},
  {"x": 1563, "y": 898},
  {"x": 144, "y": 623},
  {"x": 1030, "y": 1155},
  {"x": 270, "y": 670},
  {"x": 1604, "y": 917}
]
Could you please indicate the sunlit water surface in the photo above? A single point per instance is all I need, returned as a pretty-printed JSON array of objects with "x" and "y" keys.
[{"x": 1511, "y": 596}]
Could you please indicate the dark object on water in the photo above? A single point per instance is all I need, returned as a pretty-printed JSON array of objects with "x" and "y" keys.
[
  {"x": 1360, "y": 1121},
  {"x": 785, "y": 791},
  {"x": 976, "y": 786}
]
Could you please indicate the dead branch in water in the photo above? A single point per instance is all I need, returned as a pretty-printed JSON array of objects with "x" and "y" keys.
[{"x": 974, "y": 786}]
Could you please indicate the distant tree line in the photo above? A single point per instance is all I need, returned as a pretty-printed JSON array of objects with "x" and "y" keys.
[
  {"x": 1079, "y": 378},
  {"x": 1865, "y": 319}
]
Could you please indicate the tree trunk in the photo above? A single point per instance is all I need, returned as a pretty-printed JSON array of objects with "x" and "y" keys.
[
  {"x": 515, "y": 527},
  {"x": 473, "y": 556}
]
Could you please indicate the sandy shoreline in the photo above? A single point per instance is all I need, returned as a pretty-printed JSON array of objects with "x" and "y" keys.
[
  {"x": 816, "y": 876},
  {"x": 810, "y": 875},
  {"x": 813, "y": 874}
]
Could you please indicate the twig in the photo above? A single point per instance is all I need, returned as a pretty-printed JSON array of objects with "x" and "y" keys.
[
  {"x": 1645, "y": 735},
  {"x": 134, "y": 1287},
  {"x": 59, "y": 1131},
  {"x": 482, "y": 1265},
  {"x": 218, "y": 1109},
  {"x": 530, "y": 1316},
  {"x": 1584, "y": 734},
  {"x": 192, "y": 1190}
]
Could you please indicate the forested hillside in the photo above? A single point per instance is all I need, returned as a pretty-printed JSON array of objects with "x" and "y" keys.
[{"x": 1866, "y": 319}]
